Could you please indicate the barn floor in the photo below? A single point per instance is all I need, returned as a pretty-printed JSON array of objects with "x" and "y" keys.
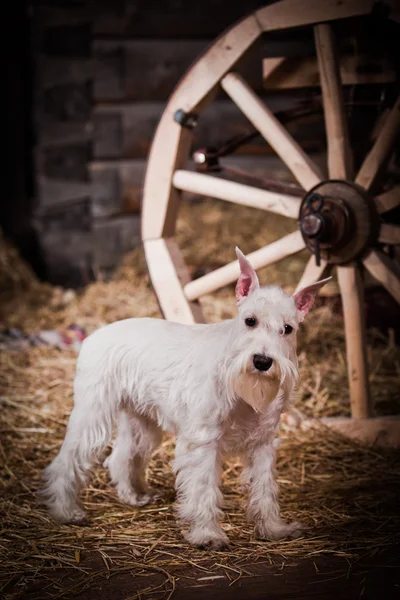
[
  {"x": 318, "y": 577},
  {"x": 346, "y": 494}
]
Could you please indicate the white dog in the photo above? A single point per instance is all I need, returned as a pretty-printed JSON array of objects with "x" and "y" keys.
[{"x": 220, "y": 388}]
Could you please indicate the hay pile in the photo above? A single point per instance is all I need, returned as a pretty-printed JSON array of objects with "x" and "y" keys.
[{"x": 332, "y": 485}]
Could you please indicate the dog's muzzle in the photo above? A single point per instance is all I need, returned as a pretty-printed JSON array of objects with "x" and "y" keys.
[{"x": 261, "y": 362}]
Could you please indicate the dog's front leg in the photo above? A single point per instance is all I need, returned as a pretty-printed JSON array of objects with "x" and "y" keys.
[
  {"x": 198, "y": 470},
  {"x": 263, "y": 507}
]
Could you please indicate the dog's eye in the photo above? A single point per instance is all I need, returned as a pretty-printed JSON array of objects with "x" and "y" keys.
[
  {"x": 288, "y": 329},
  {"x": 251, "y": 322}
]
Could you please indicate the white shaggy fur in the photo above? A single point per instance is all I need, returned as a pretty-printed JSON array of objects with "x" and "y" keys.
[{"x": 198, "y": 382}]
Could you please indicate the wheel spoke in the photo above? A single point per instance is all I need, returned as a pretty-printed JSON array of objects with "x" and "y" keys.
[
  {"x": 375, "y": 161},
  {"x": 384, "y": 270},
  {"x": 303, "y": 168},
  {"x": 389, "y": 234},
  {"x": 312, "y": 273},
  {"x": 246, "y": 195},
  {"x": 379, "y": 123},
  {"x": 290, "y": 244},
  {"x": 168, "y": 273},
  {"x": 339, "y": 152},
  {"x": 351, "y": 289},
  {"x": 388, "y": 200}
]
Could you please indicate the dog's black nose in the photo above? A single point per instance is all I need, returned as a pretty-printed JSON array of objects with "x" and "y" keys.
[{"x": 261, "y": 362}]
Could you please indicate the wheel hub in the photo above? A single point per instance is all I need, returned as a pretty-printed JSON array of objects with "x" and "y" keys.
[{"x": 338, "y": 221}]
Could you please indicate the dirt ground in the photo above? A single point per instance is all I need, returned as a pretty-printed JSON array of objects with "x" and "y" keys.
[{"x": 320, "y": 577}]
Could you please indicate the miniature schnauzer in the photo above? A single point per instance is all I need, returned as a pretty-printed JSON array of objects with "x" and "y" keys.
[{"x": 220, "y": 388}]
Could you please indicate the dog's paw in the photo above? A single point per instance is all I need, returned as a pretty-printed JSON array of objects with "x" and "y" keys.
[
  {"x": 279, "y": 530},
  {"x": 75, "y": 516},
  {"x": 206, "y": 539},
  {"x": 137, "y": 498},
  {"x": 78, "y": 516}
]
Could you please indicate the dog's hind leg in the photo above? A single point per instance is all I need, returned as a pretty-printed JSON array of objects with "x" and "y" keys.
[
  {"x": 136, "y": 440},
  {"x": 88, "y": 433}
]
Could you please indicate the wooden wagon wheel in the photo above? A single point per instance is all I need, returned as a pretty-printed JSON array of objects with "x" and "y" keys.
[{"x": 338, "y": 217}]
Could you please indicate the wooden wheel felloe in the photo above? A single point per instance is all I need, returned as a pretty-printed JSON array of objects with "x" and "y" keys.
[{"x": 338, "y": 217}]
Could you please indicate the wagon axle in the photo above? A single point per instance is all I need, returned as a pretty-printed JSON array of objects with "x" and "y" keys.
[{"x": 338, "y": 221}]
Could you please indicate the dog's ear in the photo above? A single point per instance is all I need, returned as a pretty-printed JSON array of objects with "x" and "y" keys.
[
  {"x": 248, "y": 280},
  {"x": 304, "y": 299}
]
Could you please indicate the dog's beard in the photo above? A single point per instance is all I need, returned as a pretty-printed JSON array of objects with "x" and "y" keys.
[
  {"x": 257, "y": 390},
  {"x": 260, "y": 389}
]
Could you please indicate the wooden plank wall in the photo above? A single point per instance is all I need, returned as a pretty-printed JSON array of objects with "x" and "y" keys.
[{"x": 103, "y": 73}]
